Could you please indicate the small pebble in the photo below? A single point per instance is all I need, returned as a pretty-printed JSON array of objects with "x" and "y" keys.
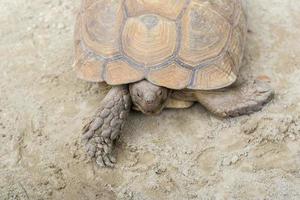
[
  {"x": 226, "y": 162},
  {"x": 159, "y": 171},
  {"x": 292, "y": 137},
  {"x": 234, "y": 159}
]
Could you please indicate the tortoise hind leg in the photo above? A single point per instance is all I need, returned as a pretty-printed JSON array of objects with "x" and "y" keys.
[
  {"x": 237, "y": 100},
  {"x": 105, "y": 127}
]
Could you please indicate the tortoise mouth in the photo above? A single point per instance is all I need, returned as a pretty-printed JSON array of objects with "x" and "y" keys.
[{"x": 148, "y": 112}]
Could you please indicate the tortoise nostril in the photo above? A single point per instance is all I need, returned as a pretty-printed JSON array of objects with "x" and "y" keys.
[{"x": 149, "y": 101}]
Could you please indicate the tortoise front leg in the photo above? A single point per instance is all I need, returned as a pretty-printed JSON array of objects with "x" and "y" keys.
[
  {"x": 232, "y": 101},
  {"x": 105, "y": 127},
  {"x": 239, "y": 100}
]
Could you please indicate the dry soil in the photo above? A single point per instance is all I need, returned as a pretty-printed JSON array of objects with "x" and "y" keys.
[{"x": 181, "y": 154}]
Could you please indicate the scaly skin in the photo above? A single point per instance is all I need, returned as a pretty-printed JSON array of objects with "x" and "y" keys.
[
  {"x": 232, "y": 101},
  {"x": 105, "y": 127}
]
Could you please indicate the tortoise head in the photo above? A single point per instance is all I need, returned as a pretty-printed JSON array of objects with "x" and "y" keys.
[{"x": 149, "y": 98}]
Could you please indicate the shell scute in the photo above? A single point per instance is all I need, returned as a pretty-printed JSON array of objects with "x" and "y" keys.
[
  {"x": 204, "y": 34},
  {"x": 149, "y": 39},
  {"x": 87, "y": 66},
  {"x": 170, "y": 9},
  {"x": 101, "y": 26},
  {"x": 119, "y": 72},
  {"x": 173, "y": 76},
  {"x": 215, "y": 76}
]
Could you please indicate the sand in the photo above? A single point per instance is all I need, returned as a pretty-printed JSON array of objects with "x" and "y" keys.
[{"x": 181, "y": 154}]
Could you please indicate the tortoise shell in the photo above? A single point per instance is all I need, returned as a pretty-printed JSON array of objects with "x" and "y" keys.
[{"x": 178, "y": 44}]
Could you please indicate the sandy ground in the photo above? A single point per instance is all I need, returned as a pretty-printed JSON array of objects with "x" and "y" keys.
[{"x": 181, "y": 154}]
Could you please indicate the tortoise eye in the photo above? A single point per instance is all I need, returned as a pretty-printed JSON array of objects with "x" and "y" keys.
[
  {"x": 160, "y": 93},
  {"x": 139, "y": 94}
]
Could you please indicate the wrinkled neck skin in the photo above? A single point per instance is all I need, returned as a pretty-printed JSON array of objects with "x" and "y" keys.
[{"x": 148, "y": 98}]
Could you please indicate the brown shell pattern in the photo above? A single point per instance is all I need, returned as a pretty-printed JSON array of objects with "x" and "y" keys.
[{"x": 178, "y": 44}]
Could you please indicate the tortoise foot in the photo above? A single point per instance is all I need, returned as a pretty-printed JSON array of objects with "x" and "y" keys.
[
  {"x": 238, "y": 100},
  {"x": 105, "y": 127},
  {"x": 101, "y": 149}
]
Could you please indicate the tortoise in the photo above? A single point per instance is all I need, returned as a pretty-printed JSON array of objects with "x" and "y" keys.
[{"x": 162, "y": 54}]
